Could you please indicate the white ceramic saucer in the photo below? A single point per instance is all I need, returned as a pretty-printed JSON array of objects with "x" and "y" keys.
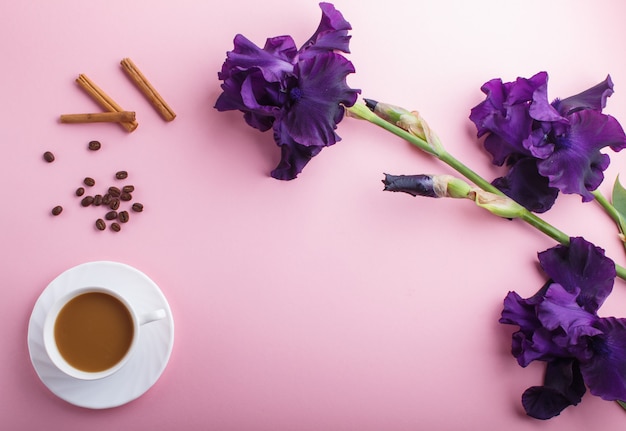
[{"x": 141, "y": 371}]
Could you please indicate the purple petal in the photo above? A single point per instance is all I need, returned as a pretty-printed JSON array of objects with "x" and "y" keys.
[
  {"x": 581, "y": 265},
  {"x": 593, "y": 98},
  {"x": 560, "y": 311},
  {"x": 314, "y": 108},
  {"x": 520, "y": 312},
  {"x": 507, "y": 133},
  {"x": 505, "y": 114},
  {"x": 532, "y": 342},
  {"x": 524, "y": 184},
  {"x": 248, "y": 92},
  {"x": 605, "y": 372},
  {"x": 576, "y": 165},
  {"x": 540, "y": 109},
  {"x": 274, "y": 61},
  {"x": 563, "y": 387},
  {"x": 294, "y": 156},
  {"x": 523, "y": 89},
  {"x": 252, "y": 79},
  {"x": 331, "y": 34},
  {"x": 496, "y": 96},
  {"x": 317, "y": 102}
]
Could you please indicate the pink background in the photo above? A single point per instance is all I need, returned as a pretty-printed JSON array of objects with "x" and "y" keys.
[{"x": 316, "y": 304}]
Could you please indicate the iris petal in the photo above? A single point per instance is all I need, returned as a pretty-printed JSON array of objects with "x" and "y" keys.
[
  {"x": 605, "y": 372},
  {"x": 273, "y": 61},
  {"x": 563, "y": 387},
  {"x": 312, "y": 118},
  {"x": 524, "y": 184},
  {"x": 581, "y": 265},
  {"x": 533, "y": 342},
  {"x": 576, "y": 165},
  {"x": 293, "y": 156},
  {"x": 560, "y": 310},
  {"x": 592, "y": 98},
  {"x": 331, "y": 34}
]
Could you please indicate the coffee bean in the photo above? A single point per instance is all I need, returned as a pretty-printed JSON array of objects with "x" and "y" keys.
[
  {"x": 120, "y": 175},
  {"x": 88, "y": 181},
  {"x": 116, "y": 227},
  {"x": 137, "y": 207},
  {"x": 57, "y": 210},
  {"x": 106, "y": 199},
  {"x": 94, "y": 145},
  {"x": 86, "y": 201},
  {"x": 100, "y": 224},
  {"x": 97, "y": 200},
  {"x": 115, "y": 191},
  {"x": 48, "y": 157},
  {"x": 123, "y": 216},
  {"x": 114, "y": 204},
  {"x": 128, "y": 189},
  {"x": 111, "y": 215},
  {"x": 126, "y": 197},
  {"x": 80, "y": 191}
]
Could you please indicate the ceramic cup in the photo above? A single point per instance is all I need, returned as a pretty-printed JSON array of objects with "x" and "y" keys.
[{"x": 67, "y": 325}]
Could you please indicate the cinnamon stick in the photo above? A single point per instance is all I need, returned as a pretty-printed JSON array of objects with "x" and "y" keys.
[
  {"x": 99, "y": 117},
  {"x": 147, "y": 89},
  {"x": 104, "y": 100}
]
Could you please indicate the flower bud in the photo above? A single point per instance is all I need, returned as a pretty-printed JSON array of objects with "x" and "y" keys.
[
  {"x": 433, "y": 186},
  {"x": 447, "y": 186},
  {"x": 502, "y": 206},
  {"x": 412, "y": 122}
]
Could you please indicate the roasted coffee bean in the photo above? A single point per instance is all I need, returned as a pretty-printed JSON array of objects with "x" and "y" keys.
[
  {"x": 128, "y": 189},
  {"x": 94, "y": 145},
  {"x": 57, "y": 210},
  {"x": 106, "y": 199},
  {"x": 120, "y": 175},
  {"x": 115, "y": 191},
  {"x": 126, "y": 197},
  {"x": 80, "y": 191},
  {"x": 116, "y": 227},
  {"x": 88, "y": 181},
  {"x": 48, "y": 157},
  {"x": 86, "y": 201},
  {"x": 111, "y": 215},
  {"x": 97, "y": 200},
  {"x": 100, "y": 224},
  {"x": 114, "y": 204},
  {"x": 137, "y": 207},
  {"x": 123, "y": 216}
]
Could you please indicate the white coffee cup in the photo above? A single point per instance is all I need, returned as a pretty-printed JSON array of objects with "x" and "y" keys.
[{"x": 89, "y": 326}]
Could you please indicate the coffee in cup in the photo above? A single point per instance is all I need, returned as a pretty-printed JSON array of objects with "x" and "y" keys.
[{"x": 91, "y": 332}]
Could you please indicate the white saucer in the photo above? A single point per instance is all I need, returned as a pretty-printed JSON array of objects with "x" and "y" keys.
[{"x": 153, "y": 350}]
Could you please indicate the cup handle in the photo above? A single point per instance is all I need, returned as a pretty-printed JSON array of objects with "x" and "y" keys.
[{"x": 152, "y": 316}]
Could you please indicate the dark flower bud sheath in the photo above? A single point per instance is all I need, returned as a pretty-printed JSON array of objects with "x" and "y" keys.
[
  {"x": 415, "y": 185},
  {"x": 432, "y": 186}
]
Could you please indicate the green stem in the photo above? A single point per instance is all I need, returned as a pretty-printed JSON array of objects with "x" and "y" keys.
[
  {"x": 607, "y": 206},
  {"x": 362, "y": 112}
]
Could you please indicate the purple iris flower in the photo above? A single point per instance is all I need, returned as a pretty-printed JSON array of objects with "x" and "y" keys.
[
  {"x": 562, "y": 138},
  {"x": 560, "y": 326},
  {"x": 298, "y": 93}
]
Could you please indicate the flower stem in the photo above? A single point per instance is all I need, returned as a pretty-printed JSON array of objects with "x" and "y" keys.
[
  {"x": 607, "y": 206},
  {"x": 362, "y": 112}
]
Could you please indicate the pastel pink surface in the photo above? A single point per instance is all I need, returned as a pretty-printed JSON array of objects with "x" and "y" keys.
[{"x": 316, "y": 304}]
